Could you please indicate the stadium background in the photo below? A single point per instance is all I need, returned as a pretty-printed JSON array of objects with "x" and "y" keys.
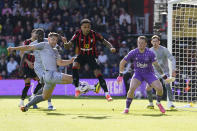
[
  {"x": 119, "y": 21},
  {"x": 89, "y": 113}
]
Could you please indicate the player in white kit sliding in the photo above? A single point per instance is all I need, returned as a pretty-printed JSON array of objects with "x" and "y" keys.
[
  {"x": 38, "y": 66},
  {"x": 50, "y": 59}
]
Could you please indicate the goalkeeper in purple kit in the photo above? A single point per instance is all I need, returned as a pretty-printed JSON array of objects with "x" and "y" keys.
[{"x": 143, "y": 59}]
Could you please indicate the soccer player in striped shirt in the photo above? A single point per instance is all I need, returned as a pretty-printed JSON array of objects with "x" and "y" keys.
[
  {"x": 85, "y": 40},
  {"x": 50, "y": 59}
]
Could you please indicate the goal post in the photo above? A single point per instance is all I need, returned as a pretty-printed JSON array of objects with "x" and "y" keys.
[{"x": 182, "y": 43}]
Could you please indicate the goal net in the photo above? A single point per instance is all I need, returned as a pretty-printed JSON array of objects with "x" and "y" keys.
[{"x": 182, "y": 42}]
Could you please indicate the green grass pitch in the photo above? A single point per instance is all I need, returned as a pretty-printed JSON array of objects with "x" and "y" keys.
[{"x": 93, "y": 114}]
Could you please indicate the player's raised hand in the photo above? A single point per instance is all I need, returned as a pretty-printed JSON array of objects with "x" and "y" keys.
[
  {"x": 10, "y": 49},
  {"x": 64, "y": 39},
  {"x": 113, "y": 50},
  {"x": 168, "y": 79},
  {"x": 73, "y": 59}
]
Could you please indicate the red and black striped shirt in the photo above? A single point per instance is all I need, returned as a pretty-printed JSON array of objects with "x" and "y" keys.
[
  {"x": 30, "y": 56},
  {"x": 87, "y": 44}
]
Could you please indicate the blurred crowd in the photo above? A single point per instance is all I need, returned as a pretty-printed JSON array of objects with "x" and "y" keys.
[{"x": 111, "y": 18}]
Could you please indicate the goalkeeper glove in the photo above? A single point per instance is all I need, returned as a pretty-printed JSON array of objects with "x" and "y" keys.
[
  {"x": 168, "y": 79},
  {"x": 120, "y": 78}
]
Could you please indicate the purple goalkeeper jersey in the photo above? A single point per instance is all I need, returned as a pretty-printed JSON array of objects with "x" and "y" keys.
[{"x": 142, "y": 61}]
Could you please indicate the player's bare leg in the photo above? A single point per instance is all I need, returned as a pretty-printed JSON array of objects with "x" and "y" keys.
[
  {"x": 134, "y": 84},
  {"x": 159, "y": 92},
  {"x": 47, "y": 93},
  {"x": 67, "y": 79}
]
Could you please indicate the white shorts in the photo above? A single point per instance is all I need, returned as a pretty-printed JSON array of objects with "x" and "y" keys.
[
  {"x": 53, "y": 77},
  {"x": 39, "y": 72}
]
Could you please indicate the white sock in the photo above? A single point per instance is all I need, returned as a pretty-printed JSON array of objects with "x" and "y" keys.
[
  {"x": 92, "y": 87},
  {"x": 50, "y": 104},
  {"x": 170, "y": 103},
  {"x": 106, "y": 93},
  {"x": 22, "y": 102},
  {"x": 151, "y": 103},
  {"x": 158, "y": 103}
]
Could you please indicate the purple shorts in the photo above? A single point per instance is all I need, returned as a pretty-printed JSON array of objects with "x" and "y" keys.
[{"x": 149, "y": 77}]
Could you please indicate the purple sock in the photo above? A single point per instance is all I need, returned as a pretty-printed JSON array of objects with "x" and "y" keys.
[
  {"x": 128, "y": 102},
  {"x": 159, "y": 98}
]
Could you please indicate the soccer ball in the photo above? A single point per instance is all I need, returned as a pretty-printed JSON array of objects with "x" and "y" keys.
[{"x": 84, "y": 87}]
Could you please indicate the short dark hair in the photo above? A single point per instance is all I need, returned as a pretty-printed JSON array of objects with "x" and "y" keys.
[
  {"x": 40, "y": 33},
  {"x": 143, "y": 38},
  {"x": 83, "y": 21},
  {"x": 155, "y": 37},
  {"x": 40, "y": 29},
  {"x": 51, "y": 34}
]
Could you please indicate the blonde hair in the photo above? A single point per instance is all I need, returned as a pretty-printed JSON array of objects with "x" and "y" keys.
[
  {"x": 51, "y": 34},
  {"x": 143, "y": 38},
  {"x": 155, "y": 37}
]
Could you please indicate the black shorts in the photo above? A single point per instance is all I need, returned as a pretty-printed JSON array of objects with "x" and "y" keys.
[
  {"x": 90, "y": 60},
  {"x": 28, "y": 73}
]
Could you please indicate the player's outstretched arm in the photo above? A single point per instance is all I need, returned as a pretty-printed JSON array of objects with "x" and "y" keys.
[
  {"x": 121, "y": 69},
  {"x": 109, "y": 45},
  {"x": 122, "y": 65},
  {"x": 67, "y": 44},
  {"x": 163, "y": 75},
  {"x": 65, "y": 62},
  {"x": 21, "y": 48},
  {"x": 158, "y": 68}
]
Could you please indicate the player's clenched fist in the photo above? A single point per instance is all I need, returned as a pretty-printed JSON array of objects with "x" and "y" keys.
[
  {"x": 64, "y": 39},
  {"x": 72, "y": 59},
  {"x": 113, "y": 50}
]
